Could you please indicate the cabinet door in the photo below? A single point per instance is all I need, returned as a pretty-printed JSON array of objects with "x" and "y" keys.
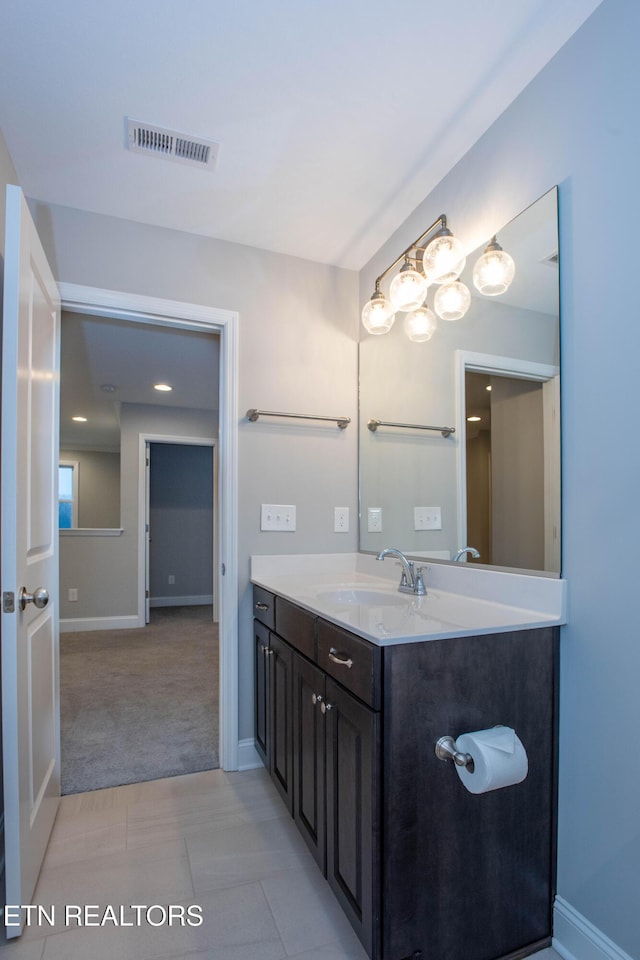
[
  {"x": 280, "y": 735},
  {"x": 353, "y": 767},
  {"x": 308, "y": 755},
  {"x": 261, "y": 694}
]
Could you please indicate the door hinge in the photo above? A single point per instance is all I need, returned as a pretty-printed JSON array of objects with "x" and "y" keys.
[
  {"x": 223, "y": 569},
  {"x": 146, "y": 594},
  {"x": 9, "y": 602}
]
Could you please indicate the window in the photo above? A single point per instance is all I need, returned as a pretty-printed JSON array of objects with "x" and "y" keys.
[{"x": 68, "y": 479}]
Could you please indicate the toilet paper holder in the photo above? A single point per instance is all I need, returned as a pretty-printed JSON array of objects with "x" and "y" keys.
[{"x": 446, "y": 750}]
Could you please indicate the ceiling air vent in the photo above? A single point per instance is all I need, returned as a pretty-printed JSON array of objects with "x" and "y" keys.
[{"x": 180, "y": 147}]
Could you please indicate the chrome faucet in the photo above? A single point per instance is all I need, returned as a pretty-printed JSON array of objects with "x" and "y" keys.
[
  {"x": 461, "y": 552},
  {"x": 411, "y": 580}
]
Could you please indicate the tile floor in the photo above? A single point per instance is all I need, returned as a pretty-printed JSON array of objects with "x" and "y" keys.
[{"x": 220, "y": 840}]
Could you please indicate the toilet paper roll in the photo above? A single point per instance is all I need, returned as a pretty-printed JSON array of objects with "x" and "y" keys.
[{"x": 499, "y": 759}]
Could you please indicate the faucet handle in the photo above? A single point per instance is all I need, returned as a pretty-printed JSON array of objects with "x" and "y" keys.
[{"x": 420, "y": 588}]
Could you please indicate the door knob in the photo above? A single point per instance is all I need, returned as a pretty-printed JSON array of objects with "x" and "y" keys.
[{"x": 39, "y": 598}]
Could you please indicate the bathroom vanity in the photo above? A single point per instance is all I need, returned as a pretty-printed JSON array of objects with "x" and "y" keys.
[{"x": 353, "y": 687}]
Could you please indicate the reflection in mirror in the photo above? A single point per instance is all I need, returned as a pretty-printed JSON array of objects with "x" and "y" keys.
[
  {"x": 492, "y": 484},
  {"x": 108, "y": 369}
]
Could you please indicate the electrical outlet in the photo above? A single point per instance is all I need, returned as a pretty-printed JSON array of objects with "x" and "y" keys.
[
  {"x": 427, "y": 518},
  {"x": 278, "y": 516},
  {"x": 73, "y": 593},
  {"x": 374, "y": 519},
  {"x": 172, "y": 578},
  {"x": 341, "y": 520}
]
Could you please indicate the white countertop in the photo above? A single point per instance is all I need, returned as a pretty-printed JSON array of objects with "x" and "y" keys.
[{"x": 359, "y": 593}]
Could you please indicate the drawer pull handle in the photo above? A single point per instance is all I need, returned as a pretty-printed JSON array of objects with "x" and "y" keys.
[
  {"x": 316, "y": 698},
  {"x": 340, "y": 658},
  {"x": 325, "y": 707},
  {"x": 262, "y": 606}
]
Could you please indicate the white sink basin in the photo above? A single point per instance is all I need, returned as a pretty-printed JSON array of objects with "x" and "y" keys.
[{"x": 377, "y": 598}]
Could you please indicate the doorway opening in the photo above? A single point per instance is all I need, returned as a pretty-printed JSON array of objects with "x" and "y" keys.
[
  {"x": 185, "y": 318},
  {"x": 138, "y": 707}
]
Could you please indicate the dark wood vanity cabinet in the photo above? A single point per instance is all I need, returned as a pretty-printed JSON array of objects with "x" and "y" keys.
[{"x": 422, "y": 868}]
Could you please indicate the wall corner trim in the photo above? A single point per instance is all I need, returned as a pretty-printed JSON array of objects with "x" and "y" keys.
[
  {"x": 248, "y": 758},
  {"x": 576, "y": 938}
]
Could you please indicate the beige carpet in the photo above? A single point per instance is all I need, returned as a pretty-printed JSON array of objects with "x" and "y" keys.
[{"x": 139, "y": 704}]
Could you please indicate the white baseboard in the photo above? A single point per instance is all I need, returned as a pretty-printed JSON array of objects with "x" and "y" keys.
[
  {"x": 205, "y": 600},
  {"x": 248, "y": 758},
  {"x": 98, "y": 623},
  {"x": 576, "y": 938}
]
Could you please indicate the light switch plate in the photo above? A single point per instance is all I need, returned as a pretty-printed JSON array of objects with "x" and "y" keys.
[
  {"x": 278, "y": 516},
  {"x": 427, "y": 518},
  {"x": 374, "y": 519}
]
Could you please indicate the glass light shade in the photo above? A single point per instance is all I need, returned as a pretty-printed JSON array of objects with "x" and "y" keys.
[
  {"x": 378, "y": 315},
  {"x": 444, "y": 258},
  {"x": 494, "y": 271},
  {"x": 420, "y": 324},
  {"x": 452, "y": 300},
  {"x": 408, "y": 289}
]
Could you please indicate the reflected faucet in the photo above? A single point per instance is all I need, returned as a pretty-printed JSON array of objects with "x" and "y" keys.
[
  {"x": 461, "y": 552},
  {"x": 411, "y": 580}
]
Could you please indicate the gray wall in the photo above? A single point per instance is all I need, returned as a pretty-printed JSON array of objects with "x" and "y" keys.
[
  {"x": 297, "y": 353},
  {"x": 577, "y": 125},
  {"x": 181, "y": 521},
  {"x": 104, "y": 570},
  {"x": 7, "y": 175},
  {"x": 98, "y": 487}
]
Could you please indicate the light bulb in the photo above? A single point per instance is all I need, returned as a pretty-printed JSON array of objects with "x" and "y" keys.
[
  {"x": 494, "y": 271},
  {"x": 420, "y": 324},
  {"x": 408, "y": 289},
  {"x": 378, "y": 314},
  {"x": 444, "y": 258},
  {"x": 452, "y": 300}
]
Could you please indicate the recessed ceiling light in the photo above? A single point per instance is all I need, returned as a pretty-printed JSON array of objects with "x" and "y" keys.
[
  {"x": 79, "y": 419},
  {"x": 488, "y": 388},
  {"x": 162, "y": 387},
  {"x": 473, "y": 419}
]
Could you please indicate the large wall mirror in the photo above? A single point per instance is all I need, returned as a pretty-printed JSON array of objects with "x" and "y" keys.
[{"x": 492, "y": 379}]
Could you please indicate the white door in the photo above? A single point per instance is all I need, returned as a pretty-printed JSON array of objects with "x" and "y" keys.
[{"x": 30, "y": 642}]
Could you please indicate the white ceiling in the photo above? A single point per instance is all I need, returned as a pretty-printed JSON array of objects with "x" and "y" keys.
[
  {"x": 335, "y": 117},
  {"x": 130, "y": 357}
]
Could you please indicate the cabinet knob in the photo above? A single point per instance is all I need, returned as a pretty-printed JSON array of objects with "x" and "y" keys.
[
  {"x": 325, "y": 707},
  {"x": 269, "y": 652},
  {"x": 316, "y": 698},
  {"x": 264, "y": 648}
]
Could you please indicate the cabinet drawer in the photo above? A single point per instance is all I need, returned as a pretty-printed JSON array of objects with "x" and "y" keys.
[
  {"x": 264, "y": 608},
  {"x": 353, "y": 662},
  {"x": 296, "y": 626}
]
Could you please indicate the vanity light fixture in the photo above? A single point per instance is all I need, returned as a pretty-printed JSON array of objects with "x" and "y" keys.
[
  {"x": 494, "y": 270},
  {"x": 79, "y": 419},
  {"x": 408, "y": 288},
  {"x": 452, "y": 300},
  {"x": 436, "y": 256},
  {"x": 420, "y": 324},
  {"x": 473, "y": 419},
  {"x": 162, "y": 387}
]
